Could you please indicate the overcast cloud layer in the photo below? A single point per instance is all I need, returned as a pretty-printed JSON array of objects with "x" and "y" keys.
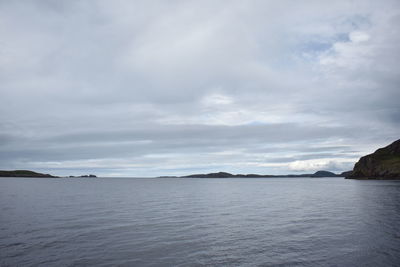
[{"x": 147, "y": 88}]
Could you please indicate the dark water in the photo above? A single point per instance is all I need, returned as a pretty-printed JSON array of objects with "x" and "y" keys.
[{"x": 199, "y": 222}]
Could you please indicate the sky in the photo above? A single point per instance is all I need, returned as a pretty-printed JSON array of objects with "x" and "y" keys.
[{"x": 149, "y": 88}]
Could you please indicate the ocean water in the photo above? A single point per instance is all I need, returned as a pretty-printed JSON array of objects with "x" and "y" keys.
[{"x": 199, "y": 222}]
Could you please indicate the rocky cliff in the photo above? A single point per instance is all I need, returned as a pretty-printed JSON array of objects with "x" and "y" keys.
[{"x": 382, "y": 164}]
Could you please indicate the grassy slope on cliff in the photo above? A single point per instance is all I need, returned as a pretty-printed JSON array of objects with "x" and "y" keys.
[{"x": 382, "y": 164}]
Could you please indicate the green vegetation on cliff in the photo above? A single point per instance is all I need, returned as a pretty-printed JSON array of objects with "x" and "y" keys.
[{"x": 382, "y": 164}]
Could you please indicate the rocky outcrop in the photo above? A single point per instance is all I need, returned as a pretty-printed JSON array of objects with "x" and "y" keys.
[
  {"x": 382, "y": 164},
  {"x": 346, "y": 173},
  {"x": 25, "y": 173}
]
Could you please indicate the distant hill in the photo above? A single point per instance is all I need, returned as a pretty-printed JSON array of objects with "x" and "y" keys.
[
  {"x": 382, "y": 164},
  {"x": 324, "y": 174},
  {"x": 229, "y": 175},
  {"x": 25, "y": 173}
]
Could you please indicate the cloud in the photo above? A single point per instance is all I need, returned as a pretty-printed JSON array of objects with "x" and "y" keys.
[
  {"x": 217, "y": 100},
  {"x": 150, "y": 88},
  {"x": 358, "y": 37},
  {"x": 321, "y": 164}
]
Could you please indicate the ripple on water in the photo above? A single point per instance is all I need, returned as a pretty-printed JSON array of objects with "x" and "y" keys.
[{"x": 200, "y": 222}]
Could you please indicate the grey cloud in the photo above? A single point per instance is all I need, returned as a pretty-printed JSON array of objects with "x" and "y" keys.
[{"x": 84, "y": 81}]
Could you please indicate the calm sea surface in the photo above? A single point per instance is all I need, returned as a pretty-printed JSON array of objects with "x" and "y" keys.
[{"x": 199, "y": 222}]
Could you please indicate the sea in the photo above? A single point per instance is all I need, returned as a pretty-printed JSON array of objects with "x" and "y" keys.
[{"x": 199, "y": 222}]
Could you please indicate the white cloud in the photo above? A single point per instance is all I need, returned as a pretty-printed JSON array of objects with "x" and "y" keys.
[
  {"x": 215, "y": 100},
  {"x": 321, "y": 164},
  {"x": 358, "y": 37}
]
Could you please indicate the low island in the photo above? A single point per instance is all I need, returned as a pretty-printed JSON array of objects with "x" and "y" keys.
[
  {"x": 25, "y": 174},
  {"x": 383, "y": 164},
  {"x": 32, "y": 174},
  {"x": 317, "y": 174}
]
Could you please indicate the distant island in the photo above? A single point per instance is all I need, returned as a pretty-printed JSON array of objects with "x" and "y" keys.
[
  {"x": 32, "y": 174},
  {"x": 383, "y": 164},
  {"x": 317, "y": 174},
  {"x": 83, "y": 176},
  {"x": 25, "y": 174}
]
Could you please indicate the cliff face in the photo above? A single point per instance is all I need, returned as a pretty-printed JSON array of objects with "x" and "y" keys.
[{"x": 382, "y": 164}]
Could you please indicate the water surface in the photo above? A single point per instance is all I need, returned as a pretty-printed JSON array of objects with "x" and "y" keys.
[{"x": 199, "y": 222}]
